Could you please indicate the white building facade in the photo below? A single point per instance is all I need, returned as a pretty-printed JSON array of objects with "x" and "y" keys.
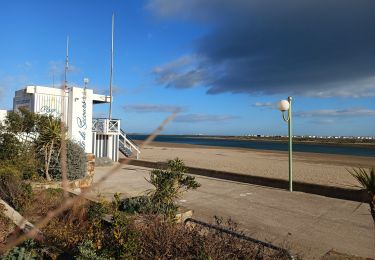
[{"x": 102, "y": 137}]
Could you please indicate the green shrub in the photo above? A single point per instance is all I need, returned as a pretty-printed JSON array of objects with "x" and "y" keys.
[
  {"x": 76, "y": 162},
  {"x": 10, "y": 146},
  {"x": 76, "y": 157},
  {"x": 169, "y": 185},
  {"x": 26, "y": 251},
  {"x": 13, "y": 190},
  {"x": 87, "y": 251},
  {"x": 122, "y": 242},
  {"x": 366, "y": 181},
  {"x": 81, "y": 231},
  {"x": 141, "y": 205},
  {"x": 26, "y": 163}
]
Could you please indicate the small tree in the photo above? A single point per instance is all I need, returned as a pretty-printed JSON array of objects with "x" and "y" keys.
[
  {"x": 48, "y": 140},
  {"x": 10, "y": 146},
  {"x": 22, "y": 123},
  {"x": 169, "y": 185},
  {"x": 366, "y": 179}
]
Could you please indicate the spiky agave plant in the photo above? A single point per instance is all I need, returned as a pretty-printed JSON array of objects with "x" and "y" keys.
[{"x": 366, "y": 179}]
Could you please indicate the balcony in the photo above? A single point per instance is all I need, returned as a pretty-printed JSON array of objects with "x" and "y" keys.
[{"x": 106, "y": 126}]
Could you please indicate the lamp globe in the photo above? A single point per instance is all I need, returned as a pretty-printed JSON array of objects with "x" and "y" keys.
[{"x": 283, "y": 105}]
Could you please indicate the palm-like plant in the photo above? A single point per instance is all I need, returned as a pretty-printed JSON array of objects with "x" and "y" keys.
[
  {"x": 49, "y": 140},
  {"x": 366, "y": 179}
]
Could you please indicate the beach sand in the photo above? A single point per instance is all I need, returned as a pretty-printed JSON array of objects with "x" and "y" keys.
[{"x": 317, "y": 168}]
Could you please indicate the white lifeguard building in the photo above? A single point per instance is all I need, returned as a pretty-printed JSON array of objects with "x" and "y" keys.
[{"x": 102, "y": 137}]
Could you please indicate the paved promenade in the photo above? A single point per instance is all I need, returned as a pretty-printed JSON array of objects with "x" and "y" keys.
[{"x": 309, "y": 224}]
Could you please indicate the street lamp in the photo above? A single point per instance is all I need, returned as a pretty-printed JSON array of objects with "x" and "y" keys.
[{"x": 286, "y": 105}]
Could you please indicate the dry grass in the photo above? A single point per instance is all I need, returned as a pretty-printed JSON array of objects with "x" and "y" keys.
[
  {"x": 165, "y": 240},
  {"x": 6, "y": 228},
  {"x": 68, "y": 202}
]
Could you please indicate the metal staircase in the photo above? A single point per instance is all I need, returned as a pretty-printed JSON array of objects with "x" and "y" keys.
[{"x": 127, "y": 146}]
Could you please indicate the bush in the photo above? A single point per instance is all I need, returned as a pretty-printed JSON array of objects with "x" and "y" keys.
[
  {"x": 10, "y": 146},
  {"x": 6, "y": 226},
  {"x": 140, "y": 205},
  {"x": 76, "y": 162},
  {"x": 26, "y": 164},
  {"x": 169, "y": 185},
  {"x": 43, "y": 201},
  {"x": 87, "y": 251},
  {"x": 161, "y": 239},
  {"x": 82, "y": 231},
  {"x": 76, "y": 157},
  {"x": 22, "y": 252},
  {"x": 366, "y": 181},
  {"x": 13, "y": 190}
]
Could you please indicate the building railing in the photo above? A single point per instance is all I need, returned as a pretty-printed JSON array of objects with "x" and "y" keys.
[
  {"x": 127, "y": 146},
  {"x": 106, "y": 126}
]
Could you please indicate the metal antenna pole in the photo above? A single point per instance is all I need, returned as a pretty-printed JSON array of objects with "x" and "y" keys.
[
  {"x": 64, "y": 120},
  {"x": 111, "y": 70},
  {"x": 66, "y": 63}
]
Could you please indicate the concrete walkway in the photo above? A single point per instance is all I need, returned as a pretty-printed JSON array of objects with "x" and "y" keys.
[{"x": 309, "y": 225}]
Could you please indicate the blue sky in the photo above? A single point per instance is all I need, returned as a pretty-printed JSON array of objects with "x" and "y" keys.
[{"x": 222, "y": 64}]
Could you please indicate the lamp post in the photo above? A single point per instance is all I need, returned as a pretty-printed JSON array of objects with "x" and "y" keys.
[{"x": 286, "y": 105}]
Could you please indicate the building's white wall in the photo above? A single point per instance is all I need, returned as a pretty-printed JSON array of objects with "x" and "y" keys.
[
  {"x": 75, "y": 105},
  {"x": 80, "y": 117},
  {"x": 3, "y": 115}
]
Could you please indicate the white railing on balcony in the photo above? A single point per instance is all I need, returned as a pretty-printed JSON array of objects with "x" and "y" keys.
[{"x": 106, "y": 126}]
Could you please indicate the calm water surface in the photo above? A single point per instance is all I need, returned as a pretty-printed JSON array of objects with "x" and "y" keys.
[{"x": 261, "y": 145}]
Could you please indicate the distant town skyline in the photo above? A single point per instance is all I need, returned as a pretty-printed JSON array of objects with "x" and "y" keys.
[{"x": 222, "y": 64}]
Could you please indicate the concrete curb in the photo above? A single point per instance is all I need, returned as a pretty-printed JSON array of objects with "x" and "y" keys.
[
  {"x": 318, "y": 189},
  {"x": 22, "y": 223}
]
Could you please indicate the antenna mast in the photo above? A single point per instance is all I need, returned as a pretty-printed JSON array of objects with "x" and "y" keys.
[
  {"x": 66, "y": 62},
  {"x": 111, "y": 70}
]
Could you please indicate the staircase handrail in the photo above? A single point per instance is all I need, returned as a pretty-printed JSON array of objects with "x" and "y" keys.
[
  {"x": 128, "y": 138},
  {"x": 131, "y": 142}
]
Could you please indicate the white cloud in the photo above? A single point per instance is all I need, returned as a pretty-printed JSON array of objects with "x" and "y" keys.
[
  {"x": 195, "y": 118},
  {"x": 181, "y": 73},
  {"x": 271, "y": 105},
  {"x": 152, "y": 108}
]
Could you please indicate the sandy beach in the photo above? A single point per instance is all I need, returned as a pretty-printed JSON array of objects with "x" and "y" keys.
[{"x": 317, "y": 168}]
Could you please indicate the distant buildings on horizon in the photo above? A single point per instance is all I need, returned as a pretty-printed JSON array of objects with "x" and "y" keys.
[{"x": 316, "y": 136}]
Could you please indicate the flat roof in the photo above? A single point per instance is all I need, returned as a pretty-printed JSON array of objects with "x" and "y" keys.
[{"x": 96, "y": 98}]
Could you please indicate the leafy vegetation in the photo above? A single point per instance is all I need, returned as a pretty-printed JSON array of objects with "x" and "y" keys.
[
  {"x": 13, "y": 190},
  {"x": 31, "y": 143},
  {"x": 6, "y": 227},
  {"x": 169, "y": 184},
  {"x": 366, "y": 180},
  {"x": 26, "y": 251},
  {"x": 101, "y": 231},
  {"x": 49, "y": 140},
  {"x": 76, "y": 162}
]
